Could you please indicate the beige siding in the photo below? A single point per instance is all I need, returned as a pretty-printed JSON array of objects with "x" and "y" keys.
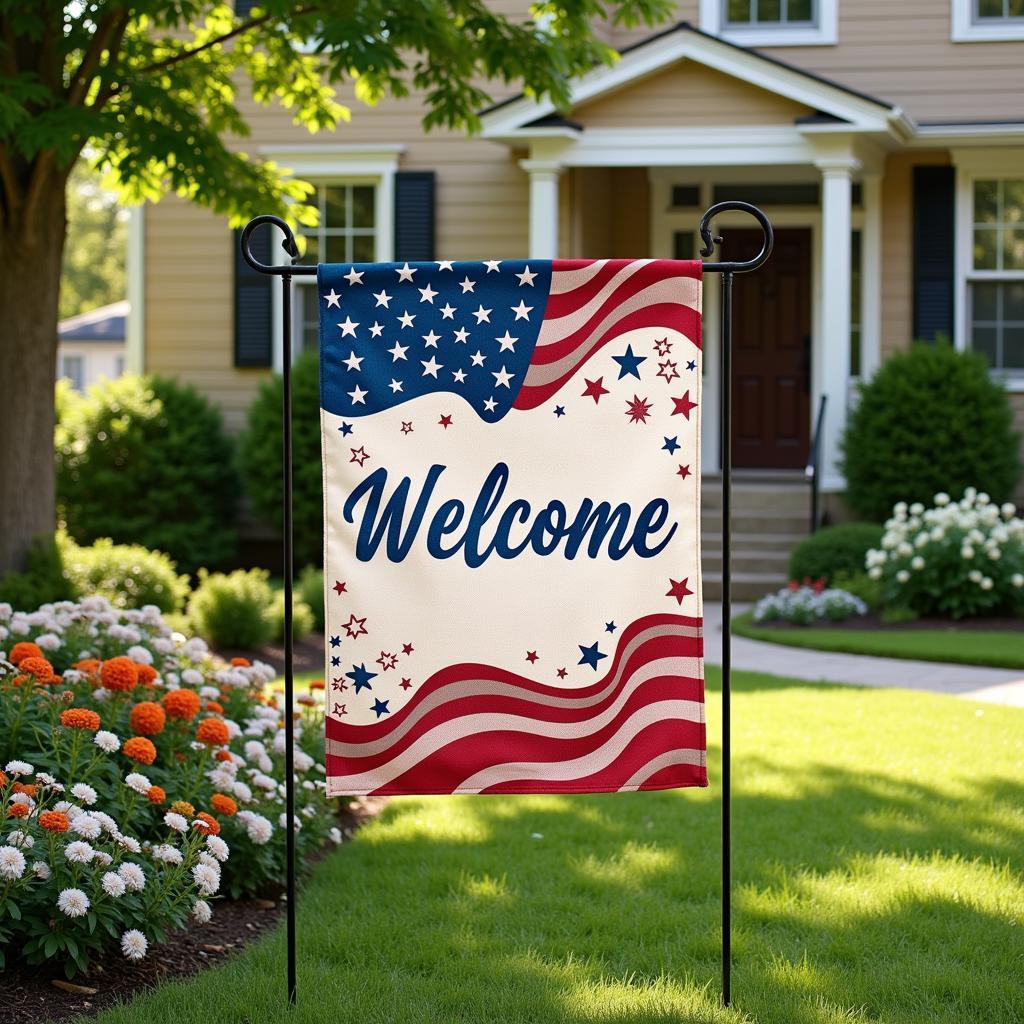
[{"x": 1017, "y": 402}]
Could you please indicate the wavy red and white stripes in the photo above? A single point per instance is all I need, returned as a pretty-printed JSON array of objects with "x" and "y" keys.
[
  {"x": 474, "y": 728},
  {"x": 592, "y": 302}
]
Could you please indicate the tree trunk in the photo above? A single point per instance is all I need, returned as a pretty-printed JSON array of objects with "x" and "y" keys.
[{"x": 30, "y": 265}]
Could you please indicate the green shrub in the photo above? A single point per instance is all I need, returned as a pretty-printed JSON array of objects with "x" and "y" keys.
[
  {"x": 861, "y": 585},
  {"x": 127, "y": 575},
  {"x": 834, "y": 549},
  {"x": 260, "y": 457},
  {"x": 44, "y": 579},
  {"x": 233, "y": 609},
  {"x": 931, "y": 419},
  {"x": 145, "y": 460},
  {"x": 310, "y": 588},
  {"x": 302, "y": 617}
]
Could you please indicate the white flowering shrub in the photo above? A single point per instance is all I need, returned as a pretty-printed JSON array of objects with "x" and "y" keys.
[
  {"x": 803, "y": 605},
  {"x": 956, "y": 559},
  {"x": 139, "y": 779}
]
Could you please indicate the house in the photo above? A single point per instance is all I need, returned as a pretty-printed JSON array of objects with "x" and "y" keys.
[
  {"x": 92, "y": 345},
  {"x": 885, "y": 141}
]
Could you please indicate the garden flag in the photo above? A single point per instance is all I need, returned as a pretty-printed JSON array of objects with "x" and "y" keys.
[{"x": 511, "y": 455}]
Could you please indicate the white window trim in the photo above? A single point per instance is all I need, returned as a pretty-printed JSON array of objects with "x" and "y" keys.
[
  {"x": 966, "y": 30},
  {"x": 824, "y": 33},
  {"x": 973, "y": 165}
]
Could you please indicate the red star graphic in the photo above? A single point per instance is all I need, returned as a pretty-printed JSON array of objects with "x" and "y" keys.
[
  {"x": 339, "y": 710},
  {"x": 359, "y": 455},
  {"x": 595, "y": 389},
  {"x": 638, "y": 410},
  {"x": 355, "y": 627},
  {"x": 445, "y": 421},
  {"x": 407, "y": 648},
  {"x": 338, "y": 683},
  {"x": 668, "y": 370},
  {"x": 683, "y": 405},
  {"x": 406, "y": 426},
  {"x": 679, "y": 589},
  {"x": 531, "y": 656},
  {"x": 339, "y": 587},
  {"x": 387, "y": 660},
  {"x": 683, "y": 471},
  {"x": 406, "y": 684},
  {"x": 664, "y": 347},
  {"x": 562, "y": 673}
]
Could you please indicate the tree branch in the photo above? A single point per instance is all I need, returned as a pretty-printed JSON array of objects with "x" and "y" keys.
[
  {"x": 41, "y": 168},
  {"x": 110, "y": 86},
  {"x": 78, "y": 87}
]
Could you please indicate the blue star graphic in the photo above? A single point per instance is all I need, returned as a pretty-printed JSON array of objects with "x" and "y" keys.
[
  {"x": 559, "y": 411},
  {"x": 691, "y": 364},
  {"x": 335, "y": 641},
  {"x": 629, "y": 363},
  {"x": 610, "y": 627},
  {"x": 381, "y": 707},
  {"x": 591, "y": 655},
  {"x": 335, "y": 662},
  {"x": 671, "y": 444},
  {"x": 346, "y": 429},
  {"x": 361, "y": 677}
]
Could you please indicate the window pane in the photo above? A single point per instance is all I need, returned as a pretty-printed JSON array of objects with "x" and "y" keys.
[
  {"x": 985, "y": 249},
  {"x": 312, "y": 248},
  {"x": 769, "y": 10},
  {"x": 738, "y": 12},
  {"x": 1013, "y": 348},
  {"x": 363, "y": 249},
  {"x": 309, "y": 337},
  {"x": 800, "y": 10},
  {"x": 986, "y": 202},
  {"x": 337, "y": 249},
  {"x": 990, "y": 8},
  {"x": 362, "y": 206},
  {"x": 1013, "y": 302},
  {"x": 984, "y": 298},
  {"x": 1013, "y": 199},
  {"x": 335, "y": 207},
  {"x": 1016, "y": 8},
  {"x": 1013, "y": 249},
  {"x": 683, "y": 245},
  {"x": 983, "y": 340}
]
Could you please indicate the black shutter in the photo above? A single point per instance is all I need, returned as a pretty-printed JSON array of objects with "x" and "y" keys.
[
  {"x": 253, "y": 305},
  {"x": 414, "y": 216},
  {"x": 934, "y": 247}
]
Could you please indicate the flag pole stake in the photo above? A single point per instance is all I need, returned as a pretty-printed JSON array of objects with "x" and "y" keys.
[{"x": 728, "y": 270}]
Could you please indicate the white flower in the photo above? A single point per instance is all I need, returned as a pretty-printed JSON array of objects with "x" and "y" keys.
[
  {"x": 86, "y": 826},
  {"x": 129, "y": 843},
  {"x": 192, "y": 677},
  {"x": 103, "y": 859},
  {"x": 21, "y": 839},
  {"x": 48, "y": 641},
  {"x": 941, "y": 499},
  {"x": 902, "y": 576},
  {"x": 206, "y": 878},
  {"x": 79, "y": 852},
  {"x": 134, "y": 944},
  {"x": 975, "y": 575},
  {"x": 259, "y": 829},
  {"x": 336, "y": 836},
  {"x": 917, "y": 562},
  {"x": 138, "y": 782},
  {"x": 1017, "y": 579},
  {"x": 113, "y": 884},
  {"x": 209, "y": 693},
  {"x": 80, "y": 791},
  {"x": 167, "y": 853},
  {"x": 967, "y": 552},
  {"x": 18, "y": 768},
  {"x": 133, "y": 876},
  {"x": 107, "y": 741},
  {"x": 986, "y": 583},
  {"x": 12, "y": 862},
  {"x": 73, "y": 902},
  {"x": 217, "y": 847},
  {"x": 41, "y": 870},
  {"x": 201, "y": 912},
  {"x": 176, "y": 821},
  {"x": 242, "y": 792},
  {"x": 23, "y": 798},
  {"x": 140, "y": 654},
  {"x": 108, "y": 823}
]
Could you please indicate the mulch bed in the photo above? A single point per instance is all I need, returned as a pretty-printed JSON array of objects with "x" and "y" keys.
[
  {"x": 874, "y": 622},
  {"x": 34, "y": 995}
]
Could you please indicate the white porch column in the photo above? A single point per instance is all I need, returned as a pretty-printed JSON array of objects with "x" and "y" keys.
[
  {"x": 871, "y": 276},
  {"x": 834, "y": 348},
  {"x": 544, "y": 176}
]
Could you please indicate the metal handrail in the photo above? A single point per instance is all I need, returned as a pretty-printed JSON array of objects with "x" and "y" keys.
[{"x": 811, "y": 470}]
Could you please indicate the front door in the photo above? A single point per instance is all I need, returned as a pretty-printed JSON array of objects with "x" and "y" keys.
[{"x": 771, "y": 363}]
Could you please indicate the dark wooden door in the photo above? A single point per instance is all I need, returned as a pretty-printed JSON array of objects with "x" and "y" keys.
[{"x": 771, "y": 368}]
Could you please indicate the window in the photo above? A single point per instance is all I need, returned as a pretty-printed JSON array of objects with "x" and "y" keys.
[
  {"x": 768, "y": 12},
  {"x": 347, "y": 233},
  {"x": 119, "y": 366},
  {"x": 980, "y": 20},
  {"x": 998, "y": 10},
  {"x": 771, "y": 22},
  {"x": 73, "y": 367},
  {"x": 995, "y": 286}
]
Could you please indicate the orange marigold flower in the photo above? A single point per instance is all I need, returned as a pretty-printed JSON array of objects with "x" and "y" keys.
[
  {"x": 181, "y": 704},
  {"x": 81, "y": 718},
  {"x": 214, "y": 708},
  {"x": 210, "y": 826},
  {"x": 306, "y": 701},
  {"x": 38, "y": 667},
  {"x": 18, "y": 680},
  {"x": 213, "y": 732},
  {"x": 24, "y": 649},
  {"x": 3, "y": 778},
  {"x": 139, "y": 749},
  {"x": 147, "y": 674},
  {"x": 184, "y": 808},
  {"x": 223, "y": 755},
  {"x": 24, "y": 787},
  {"x": 241, "y": 662},
  {"x": 18, "y": 810},
  {"x": 87, "y": 666},
  {"x": 147, "y": 718},
  {"x": 156, "y": 795},
  {"x": 316, "y": 684},
  {"x": 54, "y": 821},
  {"x": 120, "y": 673},
  {"x": 223, "y": 804}
]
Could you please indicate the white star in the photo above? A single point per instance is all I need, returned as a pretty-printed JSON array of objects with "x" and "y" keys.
[
  {"x": 407, "y": 318},
  {"x": 506, "y": 341},
  {"x": 447, "y": 311},
  {"x": 461, "y": 335},
  {"x": 395, "y": 385},
  {"x": 526, "y": 277},
  {"x": 482, "y": 315},
  {"x": 502, "y": 377},
  {"x": 405, "y": 274},
  {"x": 459, "y": 375},
  {"x": 354, "y": 276},
  {"x": 353, "y": 361},
  {"x": 348, "y": 328},
  {"x": 492, "y": 265},
  {"x": 431, "y": 367},
  {"x": 333, "y": 299},
  {"x": 522, "y": 311},
  {"x": 444, "y": 265},
  {"x": 398, "y": 352},
  {"x": 382, "y": 298},
  {"x": 477, "y": 359},
  {"x": 431, "y": 339},
  {"x": 490, "y": 404},
  {"x": 358, "y": 396},
  {"x": 467, "y": 285},
  {"x": 427, "y": 294},
  {"x": 375, "y": 330}
]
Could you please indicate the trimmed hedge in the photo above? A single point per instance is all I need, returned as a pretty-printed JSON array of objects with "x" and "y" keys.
[
  {"x": 833, "y": 550},
  {"x": 233, "y": 609}
]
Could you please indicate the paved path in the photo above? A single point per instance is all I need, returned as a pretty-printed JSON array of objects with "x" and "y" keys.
[{"x": 993, "y": 685}]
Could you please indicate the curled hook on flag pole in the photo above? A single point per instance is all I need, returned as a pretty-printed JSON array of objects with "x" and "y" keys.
[{"x": 711, "y": 241}]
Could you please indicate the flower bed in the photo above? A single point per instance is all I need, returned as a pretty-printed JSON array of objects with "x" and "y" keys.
[
  {"x": 806, "y": 603},
  {"x": 140, "y": 779}
]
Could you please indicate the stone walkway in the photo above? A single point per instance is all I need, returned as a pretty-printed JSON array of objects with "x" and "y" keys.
[{"x": 992, "y": 685}]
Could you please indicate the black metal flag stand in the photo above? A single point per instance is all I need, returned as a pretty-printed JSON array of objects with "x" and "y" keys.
[{"x": 728, "y": 270}]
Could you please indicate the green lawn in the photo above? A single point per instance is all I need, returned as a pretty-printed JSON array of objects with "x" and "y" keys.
[
  {"x": 999, "y": 649},
  {"x": 879, "y": 864}
]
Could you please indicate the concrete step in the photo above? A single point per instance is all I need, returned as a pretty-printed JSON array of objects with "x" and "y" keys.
[
  {"x": 765, "y": 499},
  {"x": 746, "y": 586},
  {"x": 774, "y": 562},
  {"x": 791, "y": 525}
]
